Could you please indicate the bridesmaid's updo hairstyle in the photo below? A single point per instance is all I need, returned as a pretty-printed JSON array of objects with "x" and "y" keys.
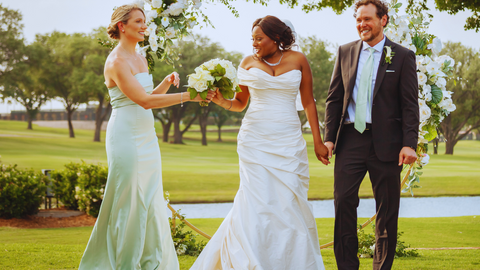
[
  {"x": 121, "y": 14},
  {"x": 277, "y": 31}
]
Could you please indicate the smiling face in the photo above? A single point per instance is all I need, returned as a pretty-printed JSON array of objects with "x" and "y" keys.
[
  {"x": 263, "y": 45},
  {"x": 135, "y": 27},
  {"x": 369, "y": 25}
]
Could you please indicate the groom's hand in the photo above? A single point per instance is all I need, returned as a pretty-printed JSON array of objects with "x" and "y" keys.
[
  {"x": 407, "y": 156},
  {"x": 330, "y": 147}
]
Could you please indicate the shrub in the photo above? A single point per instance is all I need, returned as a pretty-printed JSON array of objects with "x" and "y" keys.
[
  {"x": 184, "y": 240},
  {"x": 64, "y": 183},
  {"x": 21, "y": 191},
  {"x": 90, "y": 187},
  {"x": 366, "y": 245}
]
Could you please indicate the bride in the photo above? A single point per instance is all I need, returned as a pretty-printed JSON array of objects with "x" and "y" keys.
[{"x": 271, "y": 225}]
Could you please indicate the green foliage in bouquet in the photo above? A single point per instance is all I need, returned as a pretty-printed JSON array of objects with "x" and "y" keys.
[
  {"x": 90, "y": 187},
  {"x": 64, "y": 182},
  {"x": 21, "y": 191},
  {"x": 185, "y": 241},
  {"x": 366, "y": 245},
  {"x": 220, "y": 81}
]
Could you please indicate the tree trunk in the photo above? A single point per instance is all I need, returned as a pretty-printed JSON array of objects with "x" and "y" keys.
[
  {"x": 69, "y": 119},
  {"x": 435, "y": 146},
  {"x": 177, "y": 134},
  {"x": 166, "y": 130},
  {"x": 449, "y": 145},
  {"x": 31, "y": 113},
  {"x": 100, "y": 115},
  {"x": 219, "y": 134}
]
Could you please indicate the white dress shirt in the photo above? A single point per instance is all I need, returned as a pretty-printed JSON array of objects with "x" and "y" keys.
[{"x": 364, "y": 53}]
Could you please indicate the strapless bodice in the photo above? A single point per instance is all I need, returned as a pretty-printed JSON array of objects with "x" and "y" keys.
[
  {"x": 272, "y": 97},
  {"x": 118, "y": 98}
]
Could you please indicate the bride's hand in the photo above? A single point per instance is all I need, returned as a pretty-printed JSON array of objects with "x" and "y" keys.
[
  {"x": 321, "y": 151},
  {"x": 218, "y": 98},
  {"x": 173, "y": 78},
  {"x": 210, "y": 96}
]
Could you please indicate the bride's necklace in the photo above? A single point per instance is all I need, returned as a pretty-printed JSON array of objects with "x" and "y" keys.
[{"x": 276, "y": 64}]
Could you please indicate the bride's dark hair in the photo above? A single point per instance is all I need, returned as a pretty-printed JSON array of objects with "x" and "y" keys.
[{"x": 276, "y": 30}]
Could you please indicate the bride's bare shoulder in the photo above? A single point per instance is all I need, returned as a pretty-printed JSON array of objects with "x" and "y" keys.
[
  {"x": 114, "y": 64},
  {"x": 247, "y": 62}
]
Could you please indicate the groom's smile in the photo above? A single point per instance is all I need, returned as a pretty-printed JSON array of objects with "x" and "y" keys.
[{"x": 369, "y": 25}]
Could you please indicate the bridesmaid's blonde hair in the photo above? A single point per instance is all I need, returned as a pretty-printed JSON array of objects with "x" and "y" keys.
[{"x": 121, "y": 14}]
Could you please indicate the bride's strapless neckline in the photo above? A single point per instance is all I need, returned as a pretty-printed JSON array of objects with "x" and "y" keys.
[{"x": 274, "y": 76}]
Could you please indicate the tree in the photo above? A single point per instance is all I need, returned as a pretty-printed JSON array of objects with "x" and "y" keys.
[
  {"x": 11, "y": 41},
  {"x": 25, "y": 83},
  {"x": 194, "y": 53},
  {"x": 93, "y": 80},
  {"x": 339, "y": 6},
  {"x": 66, "y": 54},
  {"x": 321, "y": 62},
  {"x": 466, "y": 95}
]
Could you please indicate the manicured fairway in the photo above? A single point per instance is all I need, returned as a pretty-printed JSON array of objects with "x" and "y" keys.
[
  {"x": 63, "y": 248},
  {"x": 195, "y": 173}
]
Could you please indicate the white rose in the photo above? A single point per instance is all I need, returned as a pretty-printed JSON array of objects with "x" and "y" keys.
[
  {"x": 433, "y": 68},
  {"x": 153, "y": 43},
  {"x": 428, "y": 96},
  {"x": 426, "y": 89},
  {"x": 151, "y": 30},
  {"x": 441, "y": 60},
  {"x": 170, "y": 32},
  {"x": 157, "y": 3},
  {"x": 412, "y": 48},
  {"x": 436, "y": 46},
  {"x": 448, "y": 105},
  {"x": 150, "y": 15},
  {"x": 199, "y": 80},
  {"x": 441, "y": 82},
  {"x": 197, "y": 4},
  {"x": 176, "y": 8},
  {"x": 165, "y": 21},
  {"x": 424, "y": 160},
  {"x": 422, "y": 78},
  {"x": 94, "y": 200},
  {"x": 425, "y": 113},
  {"x": 447, "y": 94},
  {"x": 421, "y": 103}
]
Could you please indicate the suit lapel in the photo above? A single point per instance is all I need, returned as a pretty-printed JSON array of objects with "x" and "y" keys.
[
  {"x": 354, "y": 57},
  {"x": 382, "y": 68}
]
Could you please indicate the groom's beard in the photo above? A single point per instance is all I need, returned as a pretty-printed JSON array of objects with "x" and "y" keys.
[{"x": 374, "y": 33}]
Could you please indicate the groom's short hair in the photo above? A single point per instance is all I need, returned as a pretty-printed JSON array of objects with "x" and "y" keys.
[{"x": 382, "y": 8}]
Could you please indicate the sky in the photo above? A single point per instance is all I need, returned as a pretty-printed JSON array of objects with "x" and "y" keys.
[{"x": 234, "y": 34}]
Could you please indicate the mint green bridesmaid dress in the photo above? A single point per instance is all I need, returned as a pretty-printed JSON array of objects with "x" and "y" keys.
[{"x": 132, "y": 229}]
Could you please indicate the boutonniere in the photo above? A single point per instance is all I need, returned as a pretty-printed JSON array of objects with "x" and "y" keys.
[{"x": 388, "y": 54}]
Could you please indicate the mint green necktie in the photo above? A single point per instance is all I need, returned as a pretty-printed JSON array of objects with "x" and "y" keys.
[{"x": 363, "y": 93}]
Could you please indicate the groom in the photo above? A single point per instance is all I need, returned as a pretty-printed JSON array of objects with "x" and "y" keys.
[{"x": 372, "y": 119}]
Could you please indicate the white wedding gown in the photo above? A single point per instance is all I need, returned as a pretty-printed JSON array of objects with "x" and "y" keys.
[{"x": 271, "y": 225}]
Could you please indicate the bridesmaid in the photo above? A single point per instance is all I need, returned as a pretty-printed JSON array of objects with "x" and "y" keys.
[{"x": 132, "y": 230}]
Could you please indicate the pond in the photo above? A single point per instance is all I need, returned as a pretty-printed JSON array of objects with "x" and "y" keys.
[{"x": 409, "y": 207}]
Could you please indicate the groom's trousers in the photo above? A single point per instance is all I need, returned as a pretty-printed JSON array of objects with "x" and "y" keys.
[{"x": 355, "y": 155}]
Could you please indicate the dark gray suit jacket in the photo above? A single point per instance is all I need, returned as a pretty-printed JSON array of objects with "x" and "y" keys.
[{"x": 395, "y": 112}]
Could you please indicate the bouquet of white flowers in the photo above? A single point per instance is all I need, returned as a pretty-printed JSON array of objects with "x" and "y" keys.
[
  {"x": 433, "y": 71},
  {"x": 215, "y": 74},
  {"x": 167, "y": 20}
]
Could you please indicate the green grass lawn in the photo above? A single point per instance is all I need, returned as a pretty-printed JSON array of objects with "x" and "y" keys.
[
  {"x": 63, "y": 248},
  {"x": 196, "y": 173}
]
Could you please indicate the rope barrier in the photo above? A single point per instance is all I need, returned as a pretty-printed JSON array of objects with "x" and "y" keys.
[{"x": 175, "y": 214}]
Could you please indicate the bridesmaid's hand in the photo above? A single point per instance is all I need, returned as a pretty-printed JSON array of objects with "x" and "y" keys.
[
  {"x": 173, "y": 78},
  {"x": 321, "y": 151},
  {"x": 210, "y": 96}
]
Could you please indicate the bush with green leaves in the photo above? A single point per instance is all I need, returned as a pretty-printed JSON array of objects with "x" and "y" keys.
[
  {"x": 63, "y": 185},
  {"x": 90, "y": 187},
  {"x": 185, "y": 241},
  {"x": 366, "y": 245},
  {"x": 21, "y": 191}
]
